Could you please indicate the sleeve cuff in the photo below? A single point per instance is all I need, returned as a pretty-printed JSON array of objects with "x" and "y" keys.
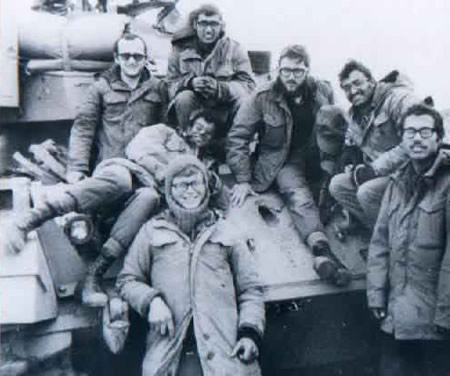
[{"x": 250, "y": 332}]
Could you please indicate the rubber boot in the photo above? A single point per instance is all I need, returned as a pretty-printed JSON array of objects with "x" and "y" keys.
[
  {"x": 35, "y": 217},
  {"x": 92, "y": 293},
  {"x": 328, "y": 267}
]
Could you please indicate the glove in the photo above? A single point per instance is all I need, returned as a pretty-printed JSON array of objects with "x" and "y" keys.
[{"x": 363, "y": 173}]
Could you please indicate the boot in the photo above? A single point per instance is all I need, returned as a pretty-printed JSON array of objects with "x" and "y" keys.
[
  {"x": 328, "y": 267},
  {"x": 92, "y": 293},
  {"x": 17, "y": 234}
]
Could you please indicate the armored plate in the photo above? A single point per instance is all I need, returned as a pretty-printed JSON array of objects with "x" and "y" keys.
[{"x": 285, "y": 262}]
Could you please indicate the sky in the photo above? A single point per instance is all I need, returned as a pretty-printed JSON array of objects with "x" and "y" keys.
[{"x": 411, "y": 36}]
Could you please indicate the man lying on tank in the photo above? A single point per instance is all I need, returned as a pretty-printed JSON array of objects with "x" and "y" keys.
[
  {"x": 408, "y": 270},
  {"x": 196, "y": 283},
  {"x": 117, "y": 180},
  {"x": 283, "y": 114},
  {"x": 207, "y": 69}
]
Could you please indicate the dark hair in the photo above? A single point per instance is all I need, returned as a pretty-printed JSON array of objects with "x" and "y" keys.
[
  {"x": 207, "y": 10},
  {"x": 204, "y": 114},
  {"x": 353, "y": 65},
  {"x": 295, "y": 51},
  {"x": 422, "y": 109},
  {"x": 129, "y": 36}
]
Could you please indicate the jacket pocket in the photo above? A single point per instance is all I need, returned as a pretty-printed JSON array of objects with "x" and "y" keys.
[
  {"x": 274, "y": 132},
  {"x": 114, "y": 103},
  {"x": 150, "y": 108},
  {"x": 191, "y": 62},
  {"x": 164, "y": 238},
  {"x": 430, "y": 232}
]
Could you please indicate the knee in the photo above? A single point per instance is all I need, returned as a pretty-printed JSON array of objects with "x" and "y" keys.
[
  {"x": 117, "y": 175},
  {"x": 184, "y": 99},
  {"x": 364, "y": 194},
  {"x": 147, "y": 196},
  {"x": 338, "y": 184}
]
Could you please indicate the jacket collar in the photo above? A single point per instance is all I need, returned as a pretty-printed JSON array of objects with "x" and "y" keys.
[
  {"x": 308, "y": 89},
  {"x": 112, "y": 75},
  {"x": 442, "y": 159}
]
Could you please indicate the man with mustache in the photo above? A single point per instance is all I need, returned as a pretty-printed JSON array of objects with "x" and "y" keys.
[
  {"x": 283, "y": 114},
  {"x": 408, "y": 270},
  {"x": 373, "y": 131}
]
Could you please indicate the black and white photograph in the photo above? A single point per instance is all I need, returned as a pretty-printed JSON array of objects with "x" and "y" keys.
[{"x": 224, "y": 188}]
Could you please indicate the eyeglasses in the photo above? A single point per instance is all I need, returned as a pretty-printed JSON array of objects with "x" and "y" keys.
[
  {"x": 184, "y": 186},
  {"x": 205, "y": 24},
  {"x": 137, "y": 57},
  {"x": 297, "y": 72},
  {"x": 424, "y": 132}
]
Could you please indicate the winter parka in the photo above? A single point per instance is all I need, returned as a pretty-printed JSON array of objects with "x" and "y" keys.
[
  {"x": 111, "y": 116},
  {"x": 228, "y": 62},
  {"x": 211, "y": 280},
  {"x": 379, "y": 138},
  {"x": 408, "y": 271},
  {"x": 266, "y": 114}
]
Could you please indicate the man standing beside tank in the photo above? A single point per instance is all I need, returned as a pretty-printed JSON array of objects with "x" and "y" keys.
[
  {"x": 408, "y": 270},
  {"x": 207, "y": 69},
  {"x": 373, "y": 131},
  {"x": 196, "y": 283},
  {"x": 283, "y": 115}
]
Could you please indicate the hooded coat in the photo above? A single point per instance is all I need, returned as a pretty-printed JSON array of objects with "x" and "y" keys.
[
  {"x": 408, "y": 270},
  {"x": 211, "y": 280}
]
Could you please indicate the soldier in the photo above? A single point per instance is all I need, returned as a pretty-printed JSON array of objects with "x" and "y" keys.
[
  {"x": 115, "y": 179},
  {"x": 373, "y": 131},
  {"x": 207, "y": 69},
  {"x": 195, "y": 283},
  {"x": 283, "y": 114},
  {"x": 408, "y": 271}
]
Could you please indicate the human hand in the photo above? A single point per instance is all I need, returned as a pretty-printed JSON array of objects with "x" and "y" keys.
[
  {"x": 240, "y": 192},
  {"x": 160, "y": 318},
  {"x": 378, "y": 313},
  {"x": 246, "y": 350},
  {"x": 73, "y": 177},
  {"x": 205, "y": 85}
]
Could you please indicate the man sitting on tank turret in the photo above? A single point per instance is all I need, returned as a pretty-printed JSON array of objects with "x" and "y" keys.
[
  {"x": 283, "y": 114},
  {"x": 207, "y": 69},
  {"x": 116, "y": 179}
]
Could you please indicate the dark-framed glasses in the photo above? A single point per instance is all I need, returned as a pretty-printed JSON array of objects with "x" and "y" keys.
[
  {"x": 205, "y": 24},
  {"x": 127, "y": 56},
  {"x": 297, "y": 72},
  {"x": 184, "y": 186},
  {"x": 424, "y": 132}
]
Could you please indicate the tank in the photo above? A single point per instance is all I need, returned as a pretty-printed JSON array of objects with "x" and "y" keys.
[{"x": 312, "y": 327}]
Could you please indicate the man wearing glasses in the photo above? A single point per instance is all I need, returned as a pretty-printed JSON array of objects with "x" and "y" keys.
[
  {"x": 283, "y": 115},
  {"x": 373, "y": 133},
  {"x": 408, "y": 270},
  {"x": 207, "y": 69}
]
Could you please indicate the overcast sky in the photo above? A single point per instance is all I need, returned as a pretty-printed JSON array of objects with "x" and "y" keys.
[
  {"x": 409, "y": 35},
  {"x": 412, "y": 36}
]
